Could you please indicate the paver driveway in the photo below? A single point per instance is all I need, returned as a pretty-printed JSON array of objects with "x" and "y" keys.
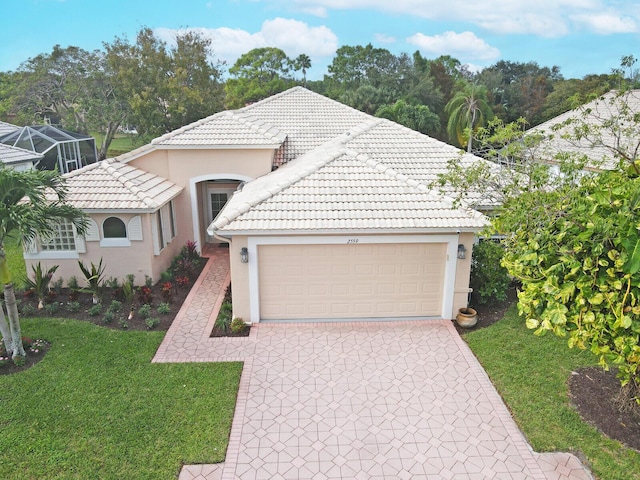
[{"x": 358, "y": 400}]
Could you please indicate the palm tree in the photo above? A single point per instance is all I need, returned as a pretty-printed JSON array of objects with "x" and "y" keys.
[
  {"x": 467, "y": 110},
  {"x": 303, "y": 62},
  {"x": 32, "y": 202}
]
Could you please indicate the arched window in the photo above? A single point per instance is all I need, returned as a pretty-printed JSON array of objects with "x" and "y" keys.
[{"x": 113, "y": 227}]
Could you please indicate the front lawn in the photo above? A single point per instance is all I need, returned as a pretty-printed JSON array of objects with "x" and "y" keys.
[
  {"x": 531, "y": 375},
  {"x": 96, "y": 407}
]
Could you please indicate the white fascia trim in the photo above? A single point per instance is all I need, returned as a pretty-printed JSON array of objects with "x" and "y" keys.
[
  {"x": 193, "y": 192},
  {"x": 260, "y": 146},
  {"x": 51, "y": 255},
  {"x": 397, "y": 231},
  {"x": 449, "y": 275}
]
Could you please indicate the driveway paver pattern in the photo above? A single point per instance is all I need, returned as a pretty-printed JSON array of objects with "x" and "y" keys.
[{"x": 356, "y": 400}]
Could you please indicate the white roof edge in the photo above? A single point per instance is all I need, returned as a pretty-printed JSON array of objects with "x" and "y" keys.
[
  {"x": 369, "y": 231},
  {"x": 219, "y": 147}
]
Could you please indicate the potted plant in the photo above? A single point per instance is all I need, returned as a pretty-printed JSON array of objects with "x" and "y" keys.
[{"x": 467, "y": 317}]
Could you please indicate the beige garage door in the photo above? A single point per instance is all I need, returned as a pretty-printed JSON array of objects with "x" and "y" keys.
[{"x": 351, "y": 281}]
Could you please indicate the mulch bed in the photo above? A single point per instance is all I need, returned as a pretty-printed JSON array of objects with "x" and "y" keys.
[{"x": 64, "y": 298}]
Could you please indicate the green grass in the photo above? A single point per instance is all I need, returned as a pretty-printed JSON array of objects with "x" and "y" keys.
[
  {"x": 531, "y": 374},
  {"x": 122, "y": 143},
  {"x": 96, "y": 407},
  {"x": 17, "y": 268}
]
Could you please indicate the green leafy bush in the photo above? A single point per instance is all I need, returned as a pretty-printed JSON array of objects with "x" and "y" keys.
[
  {"x": 108, "y": 317},
  {"x": 238, "y": 325},
  {"x": 95, "y": 310},
  {"x": 51, "y": 308},
  {"x": 223, "y": 321},
  {"x": 145, "y": 311},
  {"x": 152, "y": 322},
  {"x": 163, "y": 308},
  {"x": 73, "y": 306},
  {"x": 489, "y": 279}
]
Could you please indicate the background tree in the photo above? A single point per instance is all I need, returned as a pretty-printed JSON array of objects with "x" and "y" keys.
[
  {"x": 258, "y": 74},
  {"x": 166, "y": 88},
  {"x": 303, "y": 62},
  {"x": 573, "y": 240},
  {"x": 32, "y": 202},
  {"x": 416, "y": 117},
  {"x": 467, "y": 110}
]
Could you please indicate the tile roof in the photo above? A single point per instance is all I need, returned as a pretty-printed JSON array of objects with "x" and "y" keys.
[
  {"x": 224, "y": 129},
  {"x": 9, "y": 154},
  {"x": 606, "y": 108},
  {"x": 6, "y": 128},
  {"x": 113, "y": 185},
  {"x": 344, "y": 186}
]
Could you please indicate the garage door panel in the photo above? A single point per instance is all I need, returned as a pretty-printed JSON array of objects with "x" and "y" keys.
[{"x": 351, "y": 281}]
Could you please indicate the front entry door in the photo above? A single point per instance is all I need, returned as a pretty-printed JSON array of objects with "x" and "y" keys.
[{"x": 217, "y": 198}]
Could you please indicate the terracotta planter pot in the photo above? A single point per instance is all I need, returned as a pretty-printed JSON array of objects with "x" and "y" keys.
[{"x": 467, "y": 317}]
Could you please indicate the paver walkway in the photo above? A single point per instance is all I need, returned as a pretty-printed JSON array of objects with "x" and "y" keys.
[{"x": 357, "y": 400}]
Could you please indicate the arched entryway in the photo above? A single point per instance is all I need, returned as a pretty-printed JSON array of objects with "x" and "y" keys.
[{"x": 209, "y": 194}]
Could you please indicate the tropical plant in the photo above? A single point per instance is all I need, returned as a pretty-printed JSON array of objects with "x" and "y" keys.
[
  {"x": 40, "y": 282},
  {"x": 489, "y": 279},
  {"x": 32, "y": 202},
  {"x": 467, "y": 110},
  {"x": 303, "y": 62},
  {"x": 129, "y": 294},
  {"x": 94, "y": 277}
]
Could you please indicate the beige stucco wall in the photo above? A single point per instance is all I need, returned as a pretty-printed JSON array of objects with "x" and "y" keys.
[
  {"x": 184, "y": 167},
  {"x": 137, "y": 259},
  {"x": 240, "y": 277},
  {"x": 463, "y": 270}
]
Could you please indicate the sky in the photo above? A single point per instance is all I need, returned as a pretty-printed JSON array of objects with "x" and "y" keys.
[{"x": 579, "y": 36}]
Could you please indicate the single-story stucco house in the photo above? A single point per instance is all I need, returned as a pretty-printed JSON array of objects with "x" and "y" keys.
[
  {"x": 327, "y": 211},
  {"x": 612, "y": 118}
]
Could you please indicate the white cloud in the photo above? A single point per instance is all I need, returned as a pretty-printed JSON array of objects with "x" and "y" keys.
[
  {"x": 384, "y": 38},
  {"x": 292, "y": 36},
  {"x": 546, "y": 18},
  {"x": 465, "y": 46},
  {"x": 606, "y": 23}
]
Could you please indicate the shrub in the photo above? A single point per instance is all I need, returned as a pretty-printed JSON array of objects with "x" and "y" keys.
[
  {"x": 167, "y": 291},
  {"x": 489, "y": 279},
  {"x": 51, "y": 308},
  {"x": 238, "y": 325},
  {"x": 145, "y": 311},
  {"x": 123, "y": 324},
  {"x": 115, "y": 306},
  {"x": 19, "y": 360},
  {"x": 148, "y": 281},
  {"x": 40, "y": 282},
  {"x": 27, "y": 310},
  {"x": 163, "y": 308},
  {"x": 182, "y": 281},
  {"x": 145, "y": 295},
  {"x": 57, "y": 285},
  {"x": 223, "y": 321},
  {"x": 152, "y": 323},
  {"x": 166, "y": 276},
  {"x": 108, "y": 317},
  {"x": 73, "y": 306},
  {"x": 95, "y": 310},
  {"x": 72, "y": 283},
  {"x": 131, "y": 279},
  {"x": 26, "y": 342},
  {"x": 112, "y": 282}
]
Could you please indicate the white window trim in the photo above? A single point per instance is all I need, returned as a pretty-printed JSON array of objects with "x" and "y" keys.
[
  {"x": 34, "y": 251},
  {"x": 114, "y": 242},
  {"x": 166, "y": 216}
]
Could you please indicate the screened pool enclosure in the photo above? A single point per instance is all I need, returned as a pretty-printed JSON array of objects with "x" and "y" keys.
[{"x": 63, "y": 149}]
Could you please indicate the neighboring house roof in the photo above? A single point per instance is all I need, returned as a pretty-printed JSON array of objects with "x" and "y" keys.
[
  {"x": 599, "y": 113},
  {"x": 113, "y": 185},
  {"x": 11, "y": 155},
  {"x": 373, "y": 177},
  {"x": 6, "y": 128}
]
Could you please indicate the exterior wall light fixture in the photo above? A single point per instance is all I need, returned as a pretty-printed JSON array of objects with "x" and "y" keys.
[
  {"x": 244, "y": 255},
  {"x": 462, "y": 251}
]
